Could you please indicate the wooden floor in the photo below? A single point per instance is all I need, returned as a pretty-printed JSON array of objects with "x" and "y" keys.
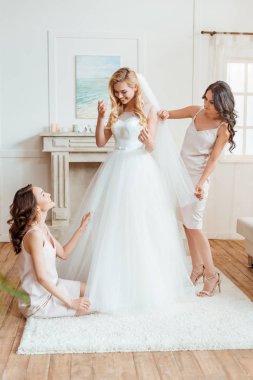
[{"x": 213, "y": 365}]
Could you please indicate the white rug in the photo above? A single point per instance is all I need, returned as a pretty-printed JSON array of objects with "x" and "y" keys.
[{"x": 224, "y": 321}]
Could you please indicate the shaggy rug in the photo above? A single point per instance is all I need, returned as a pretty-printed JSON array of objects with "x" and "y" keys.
[{"x": 222, "y": 322}]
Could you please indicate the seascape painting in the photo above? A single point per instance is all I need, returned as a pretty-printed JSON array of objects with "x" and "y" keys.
[{"x": 92, "y": 76}]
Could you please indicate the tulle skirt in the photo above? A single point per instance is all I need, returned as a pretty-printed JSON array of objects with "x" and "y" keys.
[{"x": 132, "y": 255}]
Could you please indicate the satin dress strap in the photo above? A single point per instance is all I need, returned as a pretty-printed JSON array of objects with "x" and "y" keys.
[{"x": 196, "y": 114}]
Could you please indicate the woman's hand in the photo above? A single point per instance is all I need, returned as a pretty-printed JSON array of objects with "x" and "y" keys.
[
  {"x": 199, "y": 191},
  {"x": 101, "y": 109},
  {"x": 163, "y": 114},
  {"x": 146, "y": 139},
  {"x": 80, "y": 303},
  {"x": 85, "y": 221}
]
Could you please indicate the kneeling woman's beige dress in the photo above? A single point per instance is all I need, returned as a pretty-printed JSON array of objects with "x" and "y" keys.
[{"x": 42, "y": 303}]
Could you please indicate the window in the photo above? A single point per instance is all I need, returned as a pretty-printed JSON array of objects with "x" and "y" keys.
[{"x": 239, "y": 74}]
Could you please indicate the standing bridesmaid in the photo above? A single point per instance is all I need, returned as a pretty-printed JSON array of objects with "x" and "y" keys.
[{"x": 210, "y": 129}]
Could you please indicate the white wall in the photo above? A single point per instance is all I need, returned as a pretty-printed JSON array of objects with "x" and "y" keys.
[
  {"x": 232, "y": 183},
  {"x": 24, "y": 73},
  {"x": 169, "y": 51}
]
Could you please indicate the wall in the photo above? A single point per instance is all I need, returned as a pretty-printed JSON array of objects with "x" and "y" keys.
[{"x": 24, "y": 74}]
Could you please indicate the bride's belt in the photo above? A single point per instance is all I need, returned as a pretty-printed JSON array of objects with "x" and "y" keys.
[{"x": 129, "y": 148}]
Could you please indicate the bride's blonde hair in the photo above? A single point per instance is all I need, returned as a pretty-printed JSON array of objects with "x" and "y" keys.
[{"x": 128, "y": 75}]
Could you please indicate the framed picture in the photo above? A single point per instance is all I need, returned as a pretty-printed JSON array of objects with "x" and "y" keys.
[
  {"x": 80, "y": 67},
  {"x": 93, "y": 73}
]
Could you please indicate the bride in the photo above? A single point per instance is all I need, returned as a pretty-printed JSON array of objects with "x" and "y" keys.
[{"x": 132, "y": 256}]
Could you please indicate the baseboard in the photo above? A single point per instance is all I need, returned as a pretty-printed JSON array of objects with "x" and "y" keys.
[
  {"x": 210, "y": 235},
  {"x": 4, "y": 238},
  {"x": 223, "y": 236},
  {"x": 22, "y": 153}
]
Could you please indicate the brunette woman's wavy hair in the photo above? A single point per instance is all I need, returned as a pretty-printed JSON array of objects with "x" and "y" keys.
[
  {"x": 23, "y": 212},
  {"x": 224, "y": 103},
  {"x": 128, "y": 75}
]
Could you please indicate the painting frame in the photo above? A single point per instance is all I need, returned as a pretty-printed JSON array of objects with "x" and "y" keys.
[{"x": 64, "y": 46}]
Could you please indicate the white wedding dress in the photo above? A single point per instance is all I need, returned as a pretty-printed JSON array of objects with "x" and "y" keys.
[{"x": 132, "y": 255}]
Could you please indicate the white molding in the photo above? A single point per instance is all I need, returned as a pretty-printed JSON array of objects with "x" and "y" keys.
[
  {"x": 236, "y": 160},
  {"x": 223, "y": 235},
  {"x": 1, "y": 102},
  {"x": 97, "y": 34},
  {"x": 52, "y": 59},
  {"x": 52, "y": 106},
  {"x": 1, "y": 199},
  {"x": 210, "y": 235},
  {"x": 4, "y": 238},
  {"x": 196, "y": 81},
  {"x": 21, "y": 153}
]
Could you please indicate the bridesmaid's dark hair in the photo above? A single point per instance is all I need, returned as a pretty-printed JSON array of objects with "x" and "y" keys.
[
  {"x": 224, "y": 103},
  {"x": 23, "y": 212}
]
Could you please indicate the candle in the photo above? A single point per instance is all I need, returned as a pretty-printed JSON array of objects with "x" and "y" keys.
[{"x": 53, "y": 127}]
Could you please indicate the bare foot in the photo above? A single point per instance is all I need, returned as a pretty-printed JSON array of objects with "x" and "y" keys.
[{"x": 84, "y": 310}]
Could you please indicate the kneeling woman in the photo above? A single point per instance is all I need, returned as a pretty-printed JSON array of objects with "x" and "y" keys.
[{"x": 50, "y": 296}]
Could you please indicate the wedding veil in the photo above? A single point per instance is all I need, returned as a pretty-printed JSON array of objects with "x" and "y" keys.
[{"x": 176, "y": 178}]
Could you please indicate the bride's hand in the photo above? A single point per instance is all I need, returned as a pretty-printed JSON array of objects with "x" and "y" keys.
[
  {"x": 85, "y": 221},
  {"x": 146, "y": 138},
  {"x": 163, "y": 114},
  {"x": 101, "y": 109}
]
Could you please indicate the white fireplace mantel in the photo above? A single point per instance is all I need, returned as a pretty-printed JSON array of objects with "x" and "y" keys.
[{"x": 66, "y": 148}]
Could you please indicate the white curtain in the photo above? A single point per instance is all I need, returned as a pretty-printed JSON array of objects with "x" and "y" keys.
[
  {"x": 224, "y": 47},
  {"x": 235, "y": 50}
]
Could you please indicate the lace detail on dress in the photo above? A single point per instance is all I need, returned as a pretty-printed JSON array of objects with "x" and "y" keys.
[{"x": 126, "y": 131}]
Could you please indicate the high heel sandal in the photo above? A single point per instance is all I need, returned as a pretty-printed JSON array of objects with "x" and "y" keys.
[
  {"x": 196, "y": 274},
  {"x": 210, "y": 293}
]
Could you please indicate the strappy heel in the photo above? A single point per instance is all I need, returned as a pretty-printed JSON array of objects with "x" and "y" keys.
[
  {"x": 210, "y": 293},
  {"x": 197, "y": 274}
]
